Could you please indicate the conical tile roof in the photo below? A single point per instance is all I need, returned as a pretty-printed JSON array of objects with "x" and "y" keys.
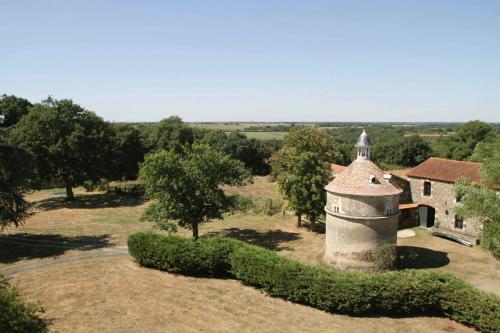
[{"x": 364, "y": 178}]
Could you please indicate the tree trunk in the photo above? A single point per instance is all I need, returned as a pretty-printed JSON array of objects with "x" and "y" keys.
[
  {"x": 313, "y": 225},
  {"x": 69, "y": 192},
  {"x": 299, "y": 221},
  {"x": 195, "y": 230}
]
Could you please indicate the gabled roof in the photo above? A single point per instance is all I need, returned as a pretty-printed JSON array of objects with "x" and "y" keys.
[
  {"x": 444, "y": 170},
  {"x": 362, "y": 178}
]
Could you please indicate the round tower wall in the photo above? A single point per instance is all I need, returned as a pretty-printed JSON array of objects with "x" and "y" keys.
[
  {"x": 362, "y": 206},
  {"x": 351, "y": 244}
]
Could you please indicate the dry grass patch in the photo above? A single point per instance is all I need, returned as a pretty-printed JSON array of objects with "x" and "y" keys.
[{"x": 116, "y": 295}]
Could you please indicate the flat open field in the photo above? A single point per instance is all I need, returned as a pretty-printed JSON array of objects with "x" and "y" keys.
[
  {"x": 71, "y": 257},
  {"x": 265, "y": 135}
]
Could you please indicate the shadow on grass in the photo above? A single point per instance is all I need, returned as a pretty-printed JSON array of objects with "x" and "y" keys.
[
  {"x": 14, "y": 247},
  {"x": 420, "y": 257},
  {"x": 90, "y": 201},
  {"x": 272, "y": 239}
]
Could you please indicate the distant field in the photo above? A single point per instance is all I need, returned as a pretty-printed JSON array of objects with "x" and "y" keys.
[
  {"x": 232, "y": 126},
  {"x": 265, "y": 135}
]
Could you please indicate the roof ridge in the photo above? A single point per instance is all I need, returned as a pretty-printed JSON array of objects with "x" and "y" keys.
[{"x": 449, "y": 160}]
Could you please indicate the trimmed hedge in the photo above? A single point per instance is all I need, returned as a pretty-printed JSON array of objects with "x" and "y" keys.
[
  {"x": 174, "y": 254},
  {"x": 407, "y": 292},
  {"x": 16, "y": 315}
]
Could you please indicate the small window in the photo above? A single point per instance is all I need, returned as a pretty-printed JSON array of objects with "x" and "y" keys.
[
  {"x": 459, "y": 223},
  {"x": 427, "y": 189}
]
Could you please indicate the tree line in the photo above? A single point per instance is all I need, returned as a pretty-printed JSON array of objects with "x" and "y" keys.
[{"x": 182, "y": 167}]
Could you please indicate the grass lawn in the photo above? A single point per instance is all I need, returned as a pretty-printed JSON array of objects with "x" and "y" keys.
[{"x": 114, "y": 294}]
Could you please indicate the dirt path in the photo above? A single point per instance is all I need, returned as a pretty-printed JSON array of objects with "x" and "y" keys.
[{"x": 30, "y": 265}]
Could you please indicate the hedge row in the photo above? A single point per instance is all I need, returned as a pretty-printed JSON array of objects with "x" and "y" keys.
[
  {"x": 16, "y": 315},
  {"x": 407, "y": 292}
]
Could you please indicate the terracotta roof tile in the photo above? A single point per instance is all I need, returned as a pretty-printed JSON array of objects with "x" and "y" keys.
[
  {"x": 450, "y": 171},
  {"x": 337, "y": 168},
  {"x": 356, "y": 180}
]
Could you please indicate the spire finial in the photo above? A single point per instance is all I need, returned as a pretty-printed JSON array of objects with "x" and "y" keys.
[{"x": 364, "y": 146}]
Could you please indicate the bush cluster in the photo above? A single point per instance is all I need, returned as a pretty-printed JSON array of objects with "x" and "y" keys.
[
  {"x": 407, "y": 292},
  {"x": 267, "y": 206},
  {"x": 17, "y": 316},
  {"x": 136, "y": 190},
  {"x": 92, "y": 185}
]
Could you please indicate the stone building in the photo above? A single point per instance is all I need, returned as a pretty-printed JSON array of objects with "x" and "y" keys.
[
  {"x": 431, "y": 185},
  {"x": 428, "y": 199},
  {"x": 361, "y": 212}
]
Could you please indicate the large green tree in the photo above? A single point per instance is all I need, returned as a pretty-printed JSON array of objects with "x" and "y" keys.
[
  {"x": 405, "y": 151},
  {"x": 70, "y": 143},
  {"x": 15, "y": 172},
  {"x": 480, "y": 201},
  {"x": 186, "y": 187},
  {"x": 12, "y": 109},
  {"x": 254, "y": 153},
  {"x": 302, "y": 170},
  {"x": 171, "y": 134},
  {"x": 461, "y": 145},
  {"x": 129, "y": 151}
]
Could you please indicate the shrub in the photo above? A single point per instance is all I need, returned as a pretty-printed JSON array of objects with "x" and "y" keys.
[
  {"x": 385, "y": 257},
  {"x": 240, "y": 203},
  {"x": 174, "y": 254},
  {"x": 272, "y": 207},
  {"x": 16, "y": 315},
  {"x": 407, "y": 292},
  {"x": 99, "y": 185},
  {"x": 135, "y": 190}
]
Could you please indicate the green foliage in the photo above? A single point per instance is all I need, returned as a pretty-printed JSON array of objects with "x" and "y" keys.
[
  {"x": 272, "y": 207},
  {"x": 186, "y": 188},
  {"x": 267, "y": 206},
  {"x": 99, "y": 185},
  {"x": 408, "y": 292},
  {"x": 481, "y": 202},
  {"x": 15, "y": 170},
  {"x": 70, "y": 143},
  {"x": 240, "y": 203},
  {"x": 405, "y": 151},
  {"x": 204, "y": 257},
  {"x": 128, "y": 151},
  {"x": 385, "y": 257},
  {"x": 461, "y": 145},
  {"x": 252, "y": 152},
  {"x": 16, "y": 315},
  {"x": 131, "y": 189},
  {"x": 12, "y": 109},
  {"x": 302, "y": 169},
  {"x": 171, "y": 134}
]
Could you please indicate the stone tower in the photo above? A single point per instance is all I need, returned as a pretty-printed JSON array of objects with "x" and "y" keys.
[{"x": 361, "y": 212}]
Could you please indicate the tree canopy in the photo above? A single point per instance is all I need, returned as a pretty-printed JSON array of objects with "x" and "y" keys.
[
  {"x": 171, "y": 134},
  {"x": 480, "y": 201},
  {"x": 461, "y": 145},
  {"x": 15, "y": 170},
  {"x": 12, "y": 109},
  {"x": 70, "y": 143},
  {"x": 186, "y": 187},
  {"x": 302, "y": 170}
]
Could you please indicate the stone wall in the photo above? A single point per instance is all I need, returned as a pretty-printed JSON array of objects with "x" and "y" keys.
[
  {"x": 356, "y": 226},
  {"x": 443, "y": 200}
]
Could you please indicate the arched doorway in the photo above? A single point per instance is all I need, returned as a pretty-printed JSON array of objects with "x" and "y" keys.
[{"x": 426, "y": 216}]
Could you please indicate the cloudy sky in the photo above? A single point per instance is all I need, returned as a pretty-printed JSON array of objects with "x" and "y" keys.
[{"x": 257, "y": 60}]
